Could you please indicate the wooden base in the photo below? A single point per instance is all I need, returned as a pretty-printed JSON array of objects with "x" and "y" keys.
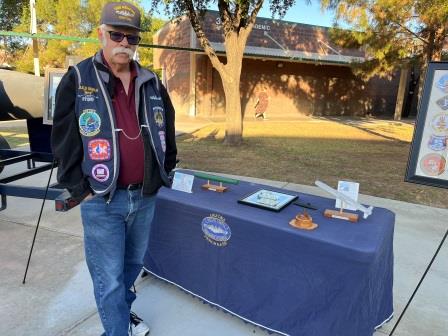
[
  {"x": 299, "y": 225},
  {"x": 303, "y": 221},
  {"x": 341, "y": 215},
  {"x": 213, "y": 187}
]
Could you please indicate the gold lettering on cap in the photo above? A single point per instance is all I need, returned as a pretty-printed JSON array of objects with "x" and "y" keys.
[{"x": 124, "y": 11}]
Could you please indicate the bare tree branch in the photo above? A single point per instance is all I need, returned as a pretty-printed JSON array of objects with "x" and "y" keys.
[
  {"x": 250, "y": 23},
  {"x": 203, "y": 40},
  {"x": 407, "y": 30},
  {"x": 226, "y": 16},
  {"x": 253, "y": 16}
]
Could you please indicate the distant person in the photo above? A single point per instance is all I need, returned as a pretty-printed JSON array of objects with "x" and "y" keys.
[
  {"x": 114, "y": 139},
  {"x": 261, "y": 105}
]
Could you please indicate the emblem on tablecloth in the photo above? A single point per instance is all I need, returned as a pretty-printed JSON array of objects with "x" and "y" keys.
[{"x": 215, "y": 229}]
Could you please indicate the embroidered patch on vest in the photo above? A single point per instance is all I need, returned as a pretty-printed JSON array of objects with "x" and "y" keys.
[
  {"x": 100, "y": 172},
  {"x": 89, "y": 123},
  {"x": 88, "y": 90},
  {"x": 89, "y": 94},
  {"x": 158, "y": 115},
  {"x": 99, "y": 150},
  {"x": 215, "y": 229},
  {"x": 162, "y": 140}
]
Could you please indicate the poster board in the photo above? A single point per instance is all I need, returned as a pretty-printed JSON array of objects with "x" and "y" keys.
[
  {"x": 52, "y": 78},
  {"x": 427, "y": 162}
]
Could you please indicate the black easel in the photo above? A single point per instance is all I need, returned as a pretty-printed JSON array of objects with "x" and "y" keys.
[{"x": 38, "y": 222}]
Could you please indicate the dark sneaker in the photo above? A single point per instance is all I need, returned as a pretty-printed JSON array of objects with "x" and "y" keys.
[{"x": 137, "y": 327}]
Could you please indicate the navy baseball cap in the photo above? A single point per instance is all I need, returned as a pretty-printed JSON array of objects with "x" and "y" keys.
[{"x": 121, "y": 14}]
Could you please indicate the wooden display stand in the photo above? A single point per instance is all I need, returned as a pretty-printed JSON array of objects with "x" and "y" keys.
[
  {"x": 341, "y": 215},
  {"x": 214, "y": 187}
]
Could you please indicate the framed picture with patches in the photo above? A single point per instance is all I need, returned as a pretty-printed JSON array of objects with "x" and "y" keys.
[
  {"x": 427, "y": 163},
  {"x": 268, "y": 199},
  {"x": 52, "y": 78}
]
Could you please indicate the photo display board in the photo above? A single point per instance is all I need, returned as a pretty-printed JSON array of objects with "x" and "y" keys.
[
  {"x": 52, "y": 79},
  {"x": 427, "y": 162}
]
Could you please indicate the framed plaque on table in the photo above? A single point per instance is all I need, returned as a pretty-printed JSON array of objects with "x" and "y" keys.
[
  {"x": 268, "y": 200},
  {"x": 427, "y": 162}
]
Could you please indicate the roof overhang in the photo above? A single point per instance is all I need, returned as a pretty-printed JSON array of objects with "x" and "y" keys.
[{"x": 293, "y": 55}]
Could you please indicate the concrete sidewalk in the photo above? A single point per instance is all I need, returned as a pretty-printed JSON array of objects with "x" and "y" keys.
[{"x": 57, "y": 298}]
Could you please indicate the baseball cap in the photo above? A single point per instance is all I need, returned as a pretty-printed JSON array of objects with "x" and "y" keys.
[{"x": 121, "y": 14}]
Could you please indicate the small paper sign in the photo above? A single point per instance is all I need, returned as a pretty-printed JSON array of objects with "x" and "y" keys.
[
  {"x": 182, "y": 182},
  {"x": 350, "y": 189}
]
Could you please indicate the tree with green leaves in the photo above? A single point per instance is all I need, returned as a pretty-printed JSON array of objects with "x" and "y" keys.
[
  {"x": 10, "y": 14},
  {"x": 393, "y": 33},
  {"x": 77, "y": 19},
  {"x": 237, "y": 18}
]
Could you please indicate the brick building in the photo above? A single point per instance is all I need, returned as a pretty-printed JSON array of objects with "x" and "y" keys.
[{"x": 293, "y": 67}]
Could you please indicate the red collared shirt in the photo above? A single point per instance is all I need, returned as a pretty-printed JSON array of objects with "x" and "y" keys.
[{"x": 131, "y": 151}]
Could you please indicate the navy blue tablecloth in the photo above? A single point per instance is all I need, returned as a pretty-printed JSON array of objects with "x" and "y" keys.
[{"x": 335, "y": 280}]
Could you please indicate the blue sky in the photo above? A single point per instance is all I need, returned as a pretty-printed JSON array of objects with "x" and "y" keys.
[
  {"x": 300, "y": 12},
  {"x": 303, "y": 13}
]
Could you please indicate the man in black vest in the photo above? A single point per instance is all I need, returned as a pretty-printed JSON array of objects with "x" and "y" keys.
[{"x": 114, "y": 139}]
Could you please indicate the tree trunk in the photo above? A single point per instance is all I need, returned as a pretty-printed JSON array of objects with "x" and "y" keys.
[
  {"x": 430, "y": 48},
  {"x": 402, "y": 93},
  {"x": 231, "y": 83},
  {"x": 433, "y": 52},
  {"x": 234, "y": 120}
]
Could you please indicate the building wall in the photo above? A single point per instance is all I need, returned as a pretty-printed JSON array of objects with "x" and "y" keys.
[
  {"x": 296, "y": 89},
  {"x": 176, "y": 63}
]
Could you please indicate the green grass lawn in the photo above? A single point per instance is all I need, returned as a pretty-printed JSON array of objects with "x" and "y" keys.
[
  {"x": 373, "y": 153},
  {"x": 16, "y": 137}
]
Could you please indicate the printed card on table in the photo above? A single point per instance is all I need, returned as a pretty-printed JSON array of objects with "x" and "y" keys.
[
  {"x": 350, "y": 189},
  {"x": 183, "y": 182}
]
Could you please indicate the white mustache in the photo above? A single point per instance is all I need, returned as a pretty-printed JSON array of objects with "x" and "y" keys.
[{"x": 119, "y": 50}]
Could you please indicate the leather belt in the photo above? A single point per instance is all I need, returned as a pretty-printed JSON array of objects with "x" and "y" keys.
[{"x": 132, "y": 186}]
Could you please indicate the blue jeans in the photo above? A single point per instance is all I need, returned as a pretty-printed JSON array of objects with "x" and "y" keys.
[{"x": 115, "y": 241}]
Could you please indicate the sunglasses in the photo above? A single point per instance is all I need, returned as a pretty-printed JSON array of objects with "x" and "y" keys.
[{"x": 118, "y": 37}]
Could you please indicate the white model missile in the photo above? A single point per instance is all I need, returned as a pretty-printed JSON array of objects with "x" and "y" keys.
[{"x": 367, "y": 211}]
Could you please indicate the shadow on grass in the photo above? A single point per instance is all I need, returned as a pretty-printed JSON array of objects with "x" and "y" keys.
[
  {"x": 361, "y": 125},
  {"x": 379, "y": 166}
]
